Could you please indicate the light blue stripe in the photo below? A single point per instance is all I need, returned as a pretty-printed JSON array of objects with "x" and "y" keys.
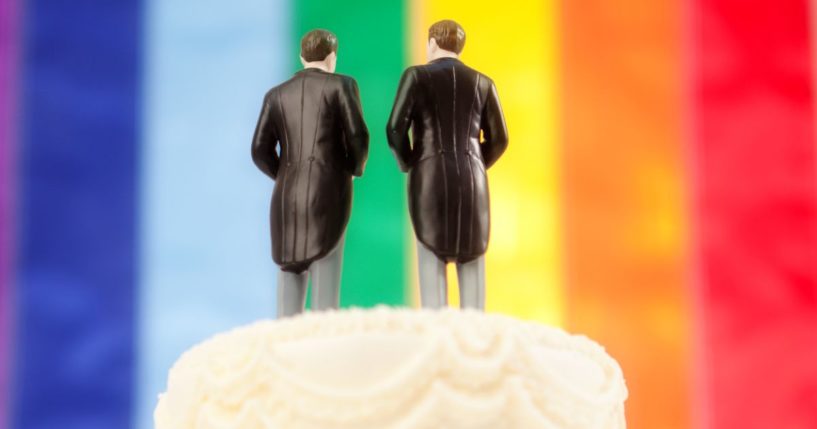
[{"x": 205, "y": 252}]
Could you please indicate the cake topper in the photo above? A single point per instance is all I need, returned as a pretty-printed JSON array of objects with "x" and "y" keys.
[
  {"x": 447, "y": 104},
  {"x": 311, "y": 139}
]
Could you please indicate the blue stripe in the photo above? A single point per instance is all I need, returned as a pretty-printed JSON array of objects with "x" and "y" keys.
[
  {"x": 75, "y": 290},
  {"x": 206, "y": 263}
]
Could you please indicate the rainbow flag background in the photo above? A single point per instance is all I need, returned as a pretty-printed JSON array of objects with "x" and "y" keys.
[{"x": 659, "y": 193}]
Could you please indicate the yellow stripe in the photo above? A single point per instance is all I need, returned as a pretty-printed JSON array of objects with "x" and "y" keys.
[{"x": 517, "y": 47}]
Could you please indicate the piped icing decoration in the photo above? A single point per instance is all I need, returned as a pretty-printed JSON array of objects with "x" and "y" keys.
[{"x": 394, "y": 368}]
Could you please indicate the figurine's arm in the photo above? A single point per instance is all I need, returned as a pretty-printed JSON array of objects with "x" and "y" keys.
[
  {"x": 354, "y": 127},
  {"x": 400, "y": 120},
  {"x": 264, "y": 142},
  {"x": 494, "y": 131}
]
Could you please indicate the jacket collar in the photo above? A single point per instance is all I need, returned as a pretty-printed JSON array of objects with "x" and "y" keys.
[
  {"x": 313, "y": 70},
  {"x": 444, "y": 59}
]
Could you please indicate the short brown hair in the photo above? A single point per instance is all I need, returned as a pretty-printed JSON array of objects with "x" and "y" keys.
[
  {"x": 317, "y": 44},
  {"x": 448, "y": 34}
]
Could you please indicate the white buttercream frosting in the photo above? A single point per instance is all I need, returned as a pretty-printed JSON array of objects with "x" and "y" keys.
[{"x": 394, "y": 368}]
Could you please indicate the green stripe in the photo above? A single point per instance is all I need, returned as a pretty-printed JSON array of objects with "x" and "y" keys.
[{"x": 370, "y": 49}]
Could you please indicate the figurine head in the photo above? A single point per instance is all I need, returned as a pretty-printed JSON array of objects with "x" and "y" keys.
[
  {"x": 319, "y": 50},
  {"x": 446, "y": 38}
]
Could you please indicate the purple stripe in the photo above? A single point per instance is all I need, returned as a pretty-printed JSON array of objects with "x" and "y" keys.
[{"x": 8, "y": 65}]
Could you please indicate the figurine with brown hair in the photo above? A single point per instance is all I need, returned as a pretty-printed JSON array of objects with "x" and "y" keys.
[
  {"x": 311, "y": 140},
  {"x": 448, "y": 106}
]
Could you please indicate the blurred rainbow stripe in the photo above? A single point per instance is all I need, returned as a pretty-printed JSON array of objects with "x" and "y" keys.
[
  {"x": 76, "y": 271},
  {"x": 8, "y": 74},
  {"x": 659, "y": 193},
  {"x": 755, "y": 208},
  {"x": 626, "y": 225},
  {"x": 523, "y": 263},
  {"x": 370, "y": 49},
  {"x": 204, "y": 251}
]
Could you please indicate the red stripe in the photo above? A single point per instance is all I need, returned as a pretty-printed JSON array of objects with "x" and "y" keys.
[{"x": 756, "y": 212}]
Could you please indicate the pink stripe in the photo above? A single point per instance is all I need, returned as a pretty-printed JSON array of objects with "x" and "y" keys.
[{"x": 8, "y": 66}]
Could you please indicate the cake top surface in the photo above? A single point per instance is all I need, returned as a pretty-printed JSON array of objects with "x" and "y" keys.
[{"x": 394, "y": 368}]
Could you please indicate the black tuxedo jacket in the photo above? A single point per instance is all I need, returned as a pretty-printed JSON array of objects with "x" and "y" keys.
[
  {"x": 311, "y": 139},
  {"x": 447, "y": 104}
]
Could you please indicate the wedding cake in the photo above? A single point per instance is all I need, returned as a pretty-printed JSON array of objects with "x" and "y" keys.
[{"x": 394, "y": 368}]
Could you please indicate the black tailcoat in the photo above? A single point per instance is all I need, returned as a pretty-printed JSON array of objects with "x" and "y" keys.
[
  {"x": 311, "y": 139},
  {"x": 447, "y": 104}
]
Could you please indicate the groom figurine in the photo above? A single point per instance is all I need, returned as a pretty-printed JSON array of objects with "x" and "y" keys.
[
  {"x": 448, "y": 105},
  {"x": 311, "y": 139}
]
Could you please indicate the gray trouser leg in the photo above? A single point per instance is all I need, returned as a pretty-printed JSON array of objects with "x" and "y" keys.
[
  {"x": 325, "y": 274},
  {"x": 291, "y": 293},
  {"x": 471, "y": 276},
  {"x": 433, "y": 287}
]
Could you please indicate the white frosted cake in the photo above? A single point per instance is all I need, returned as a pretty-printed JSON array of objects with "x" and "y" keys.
[{"x": 394, "y": 368}]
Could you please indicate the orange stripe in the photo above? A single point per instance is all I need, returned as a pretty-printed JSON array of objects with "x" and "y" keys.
[{"x": 625, "y": 224}]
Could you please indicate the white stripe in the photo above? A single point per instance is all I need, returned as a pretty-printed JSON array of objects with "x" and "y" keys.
[{"x": 205, "y": 252}]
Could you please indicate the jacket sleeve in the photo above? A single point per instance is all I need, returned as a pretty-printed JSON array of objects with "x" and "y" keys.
[
  {"x": 264, "y": 142},
  {"x": 494, "y": 131},
  {"x": 356, "y": 134},
  {"x": 400, "y": 120}
]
